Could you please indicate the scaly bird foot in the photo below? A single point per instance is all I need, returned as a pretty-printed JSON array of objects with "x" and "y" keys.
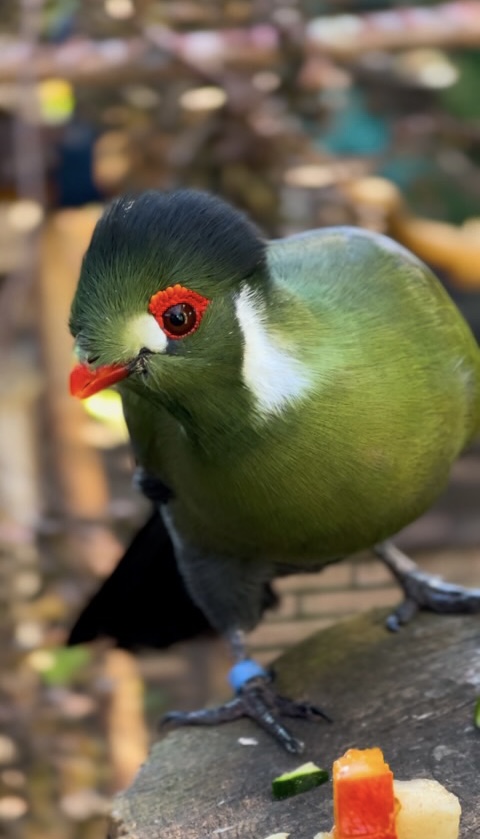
[
  {"x": 256, "y": 700},
  {"x": 422, "y": 590}
]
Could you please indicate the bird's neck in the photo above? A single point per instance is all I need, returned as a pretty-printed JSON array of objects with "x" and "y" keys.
[{"x": 216, "y": 422}]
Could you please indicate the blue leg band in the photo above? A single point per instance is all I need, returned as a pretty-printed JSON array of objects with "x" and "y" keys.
[{"x": 243, "y": 671}]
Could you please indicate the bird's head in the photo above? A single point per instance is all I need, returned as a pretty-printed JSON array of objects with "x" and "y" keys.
[{"x": 155, "y": 306}]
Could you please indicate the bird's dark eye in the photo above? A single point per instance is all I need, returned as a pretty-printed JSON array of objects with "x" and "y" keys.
[
  {"x": 178, "y": 310},
  {"x": 179, "y": 320}
]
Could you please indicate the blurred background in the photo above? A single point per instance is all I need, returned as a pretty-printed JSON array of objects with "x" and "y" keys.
[{"x": 303, "y": 113}]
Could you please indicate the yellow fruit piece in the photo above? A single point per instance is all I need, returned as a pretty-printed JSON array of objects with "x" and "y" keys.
[{"x": 427, "y": 810}]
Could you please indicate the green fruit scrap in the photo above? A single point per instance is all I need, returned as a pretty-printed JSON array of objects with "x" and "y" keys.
[
  {"x": 305, "y": 777},
  {"x": 476, "y": 714}
]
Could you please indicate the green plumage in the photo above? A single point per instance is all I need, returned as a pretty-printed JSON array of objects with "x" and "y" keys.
[
  {"x": 396, "y": 397},
  {"x": 393, "y": 394}
]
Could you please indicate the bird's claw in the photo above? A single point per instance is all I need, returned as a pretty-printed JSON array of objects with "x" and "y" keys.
[
  {"x": 258, "y": 701},
  {"x": 402, "y": 615},
  {"x": 424, "y": 591}
]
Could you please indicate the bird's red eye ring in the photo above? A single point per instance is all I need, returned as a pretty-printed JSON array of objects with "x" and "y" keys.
[{"x": 178, "y": 310}]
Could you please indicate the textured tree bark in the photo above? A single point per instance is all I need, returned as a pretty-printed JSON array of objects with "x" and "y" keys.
[{"x": 412, "y": 694}]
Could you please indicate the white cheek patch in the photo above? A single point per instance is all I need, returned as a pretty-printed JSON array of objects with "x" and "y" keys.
[
  {"x": 144, "y": 331},
  {"x": 275, "y": 378}
]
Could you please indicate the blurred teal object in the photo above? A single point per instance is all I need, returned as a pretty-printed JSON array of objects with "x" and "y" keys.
[
  {"x": 440, "y": 195},
  {"x": 355, "y": 130},
  {"x": 404, "y": 170}
]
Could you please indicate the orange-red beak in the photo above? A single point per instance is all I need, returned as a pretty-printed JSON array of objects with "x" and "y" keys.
[{"x": 85, "y": 380}]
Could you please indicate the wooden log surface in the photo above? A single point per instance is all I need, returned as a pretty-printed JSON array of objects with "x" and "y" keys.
[{"x": 412, "y": 694}]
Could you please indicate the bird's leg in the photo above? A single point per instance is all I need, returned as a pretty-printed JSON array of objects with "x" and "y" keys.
[
  {"x": 231, "y": 593},
  {"x": 254, "y": 688},
  {"x": 256, "y": 699},
  {"x": 422, "y": 590}
]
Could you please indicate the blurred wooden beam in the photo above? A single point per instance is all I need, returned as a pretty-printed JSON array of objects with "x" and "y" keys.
[
  {"x": 20, "y": 489},
  {"x": 80, "y": 476},
  {"x": 446, "y": 25},
  {"x": 127, "y": 732},
  {"x": 108, "y": 61}
]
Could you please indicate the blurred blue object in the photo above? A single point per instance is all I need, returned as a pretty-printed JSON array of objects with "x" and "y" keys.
[
  {"x": 405, "y": 170},
  {"x": 73, "y": 174},
  {"x": 355, "y": 130},
  {"x": 59, "y": 20}
]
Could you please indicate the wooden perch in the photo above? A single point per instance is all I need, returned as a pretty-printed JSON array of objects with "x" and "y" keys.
[
  {"x": 413, "y": 694},
  {"x": 108, "y": 61}
]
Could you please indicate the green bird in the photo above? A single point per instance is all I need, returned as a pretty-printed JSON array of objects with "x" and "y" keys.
[{"x": 289, "y": 402}]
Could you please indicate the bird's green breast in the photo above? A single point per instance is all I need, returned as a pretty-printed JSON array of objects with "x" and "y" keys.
[{"x": 393, "y": 397}]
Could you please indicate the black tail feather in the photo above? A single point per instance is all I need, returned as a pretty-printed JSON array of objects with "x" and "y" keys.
[{"x": 144, "y": 602}]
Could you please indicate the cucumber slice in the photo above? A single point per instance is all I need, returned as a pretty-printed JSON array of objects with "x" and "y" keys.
[
  {"x": 305, "y": 777},
  {"x": 476, "y": 714}
]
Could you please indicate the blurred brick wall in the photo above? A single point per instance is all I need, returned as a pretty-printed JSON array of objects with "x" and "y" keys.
[{"x": 312, "y": 601}]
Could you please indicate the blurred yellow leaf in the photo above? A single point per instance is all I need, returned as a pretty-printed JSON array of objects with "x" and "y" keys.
[
  {"x": 57, "y": 101},
  {"x": 106, "y": 407},
  {"x": 59, "y": 666}
]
